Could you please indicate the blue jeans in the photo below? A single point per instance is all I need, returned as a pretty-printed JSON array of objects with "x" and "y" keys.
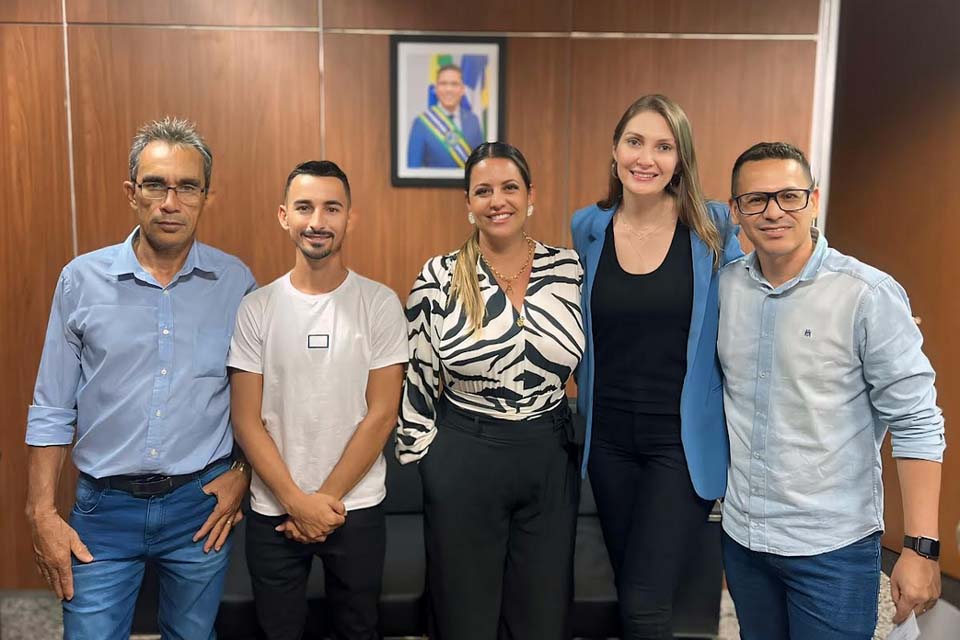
[
  {"x": 123, "y": 533},
  {"x": 829, "y": 596}
]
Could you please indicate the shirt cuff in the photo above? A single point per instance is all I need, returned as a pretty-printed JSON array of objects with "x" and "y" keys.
[
  {"x": 50, "y": 426},
  {"x": 928, "y": 446}
]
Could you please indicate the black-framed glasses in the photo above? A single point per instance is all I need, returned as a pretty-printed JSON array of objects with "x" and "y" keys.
[
  {"x": 186, "y": 193},
  {"x": 756, "y": 202}
]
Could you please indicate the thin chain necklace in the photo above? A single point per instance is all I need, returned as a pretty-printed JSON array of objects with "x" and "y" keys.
[
  {"x": 531, "y": 245},
  {"x": 640, "y": 236}
]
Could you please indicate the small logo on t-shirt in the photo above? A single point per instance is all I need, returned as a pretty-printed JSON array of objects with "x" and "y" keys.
[
  {"x": 318, "y": 341},
  {"x": 807, "y": 333}
]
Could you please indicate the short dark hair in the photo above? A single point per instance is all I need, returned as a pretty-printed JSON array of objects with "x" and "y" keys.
[
  {"x": 769, "y": 151},
  {"x": 450, "y": 67},
  {"x": 320, "y": 169},
  {"x": 496, "y": 150}
]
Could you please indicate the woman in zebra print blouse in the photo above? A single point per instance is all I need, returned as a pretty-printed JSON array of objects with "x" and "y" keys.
[{"x": 495, "y": 331}]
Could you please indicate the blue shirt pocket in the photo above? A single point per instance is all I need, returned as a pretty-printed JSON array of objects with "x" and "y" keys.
[{"x": 210, "y": 353}]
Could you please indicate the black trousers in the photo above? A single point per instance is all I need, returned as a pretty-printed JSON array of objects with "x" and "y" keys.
[
  {"x": 649, "y": 513},
  {"x": 500, "y": 507},
  {"x": 353, "y": 573}
]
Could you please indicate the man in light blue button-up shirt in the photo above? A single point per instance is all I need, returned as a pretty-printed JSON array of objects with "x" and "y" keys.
[
  {"x": 820, "y": 356},
  {"x": 133, "y": 375}
]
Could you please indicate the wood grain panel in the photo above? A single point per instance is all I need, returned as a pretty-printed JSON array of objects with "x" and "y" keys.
[
  {"x": 697, "y": 16},
  {"x": 398, "y": 229},
  {"x": 492, "y": 15},
  {"x": 35, "y": 244},
  {"x": 255, "y": 96},
  {"x": 31, "y": 11},
  {"x": 891, "y": 203},
  {"x": 255, "y": 13},
  {"x": 735, "y": 93},
  {"x": 538, "y": 123}
]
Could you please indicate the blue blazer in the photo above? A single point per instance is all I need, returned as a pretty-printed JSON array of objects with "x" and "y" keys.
[
  {"x": 703, "y": 428},
  {"x": 424, "y": 150}
]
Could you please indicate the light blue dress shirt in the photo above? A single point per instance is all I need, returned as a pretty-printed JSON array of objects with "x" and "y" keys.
[
  {"x": 137, "y": 371},
  {"x": 815, "y": 371}
]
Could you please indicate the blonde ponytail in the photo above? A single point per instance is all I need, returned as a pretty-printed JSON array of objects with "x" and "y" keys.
[{"x": 465, "y": 286}]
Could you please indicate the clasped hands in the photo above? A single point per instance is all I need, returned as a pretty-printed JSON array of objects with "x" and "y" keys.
[{"x": 313, "y": 517}]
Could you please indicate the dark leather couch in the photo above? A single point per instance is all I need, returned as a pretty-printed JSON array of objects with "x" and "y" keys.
[{"x": 403, "y": 610}]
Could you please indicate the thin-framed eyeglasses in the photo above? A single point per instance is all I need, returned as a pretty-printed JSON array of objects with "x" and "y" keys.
[
  {"x": 187, "y": 193},
  {"x": 756, "y": 202}
]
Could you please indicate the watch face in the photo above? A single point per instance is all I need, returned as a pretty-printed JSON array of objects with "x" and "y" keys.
[{"x": 928, "y": 547}]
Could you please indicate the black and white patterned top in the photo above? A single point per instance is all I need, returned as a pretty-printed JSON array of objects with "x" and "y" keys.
[{"x": 513, "y": 369}]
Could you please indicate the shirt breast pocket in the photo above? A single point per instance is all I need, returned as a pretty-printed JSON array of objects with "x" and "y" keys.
[{"x": 210, "y": 353}]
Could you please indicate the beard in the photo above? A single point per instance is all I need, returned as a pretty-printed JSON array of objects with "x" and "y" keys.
[{"x": 311, "y": 252}]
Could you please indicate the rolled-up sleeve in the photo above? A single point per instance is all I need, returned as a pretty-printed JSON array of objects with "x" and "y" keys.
[
  {"x": 52, "y": 417},
  {"x": 899, "y": 375}
]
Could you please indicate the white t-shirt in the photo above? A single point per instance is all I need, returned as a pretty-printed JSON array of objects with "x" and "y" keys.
[{"x": 315, "y": 352}]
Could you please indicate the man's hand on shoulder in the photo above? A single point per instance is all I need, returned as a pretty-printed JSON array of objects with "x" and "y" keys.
[
  {"x": 914, "y": 584},
  {"x": 229, "y": 488},
  {"x": 54, "y": 541}
]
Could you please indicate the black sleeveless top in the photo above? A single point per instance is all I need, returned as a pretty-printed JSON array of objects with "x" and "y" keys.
[{"x": 640, "y": 328}]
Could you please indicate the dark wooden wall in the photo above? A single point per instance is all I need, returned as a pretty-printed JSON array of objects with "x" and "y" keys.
[
  {"x": 249, "y": 73},
  {"x": 892, "y": 194}
]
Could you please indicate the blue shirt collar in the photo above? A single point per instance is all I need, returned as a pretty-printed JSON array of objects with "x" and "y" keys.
[
  {"x": 809, "y": 271},
  {"x": 126, "y": 262}
]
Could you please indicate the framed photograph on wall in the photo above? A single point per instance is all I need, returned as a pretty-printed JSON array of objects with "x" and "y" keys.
[{"x": 446, "y": 97}]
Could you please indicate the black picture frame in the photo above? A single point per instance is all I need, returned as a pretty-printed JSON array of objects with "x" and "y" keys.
[{"x": 427, "y": 147}]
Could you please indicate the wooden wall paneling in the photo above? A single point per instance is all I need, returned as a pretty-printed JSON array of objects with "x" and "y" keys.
[
  {"x": 538, "y": 123},
  {"x": 36, "y": 243},
  {"x": 896, "y": 131},
  {"x": 255, "y": 96},
  {"x": 248, "y": 13},
  {"x": 735, "y": 93},
  {"x": 492, "y": 15},
  {"x": 31, "y": 11},
  {"x": 396, "y": 229},
  {"x": 697, "y": 16}
]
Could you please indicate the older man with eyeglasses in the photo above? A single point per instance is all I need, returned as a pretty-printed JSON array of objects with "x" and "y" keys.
[
  {"x": 820, "y": 355},
  {"x": 133, "y": 376}
]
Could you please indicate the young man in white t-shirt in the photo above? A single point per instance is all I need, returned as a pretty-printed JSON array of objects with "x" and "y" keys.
[{"x": 316, "y": 366}]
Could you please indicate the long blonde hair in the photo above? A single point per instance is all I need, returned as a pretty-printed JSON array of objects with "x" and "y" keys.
[
  {"x": 685, "y": 186},
  {"x": 465, "y": 285}
]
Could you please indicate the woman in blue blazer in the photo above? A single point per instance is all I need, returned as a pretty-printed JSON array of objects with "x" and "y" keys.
[{"x": 649, "y": 384}]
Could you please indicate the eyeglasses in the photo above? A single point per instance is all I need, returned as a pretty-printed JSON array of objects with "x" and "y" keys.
[
  {"x": 756, "y": 202},
  {"x": 186, "y": 193}
]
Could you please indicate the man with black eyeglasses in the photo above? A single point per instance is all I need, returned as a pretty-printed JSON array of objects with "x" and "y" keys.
[
  {"x": 133, "y": 376},
  {"x": 820, "y": 355}
]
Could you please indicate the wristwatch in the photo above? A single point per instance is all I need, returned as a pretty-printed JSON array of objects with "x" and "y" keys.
[
  {"x": 926, "y": 547},
  {"x": 241, "y": 465}
]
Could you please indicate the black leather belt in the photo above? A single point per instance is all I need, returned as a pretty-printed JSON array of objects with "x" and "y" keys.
[{"x": 149, "y": 486}]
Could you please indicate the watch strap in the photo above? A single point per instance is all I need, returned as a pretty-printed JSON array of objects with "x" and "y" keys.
[{"x": 926, "y": 547}]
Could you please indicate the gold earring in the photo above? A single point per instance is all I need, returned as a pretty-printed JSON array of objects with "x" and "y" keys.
[
  {"x": 472, "y": 219},
  {"x": 529, "y": 210}
]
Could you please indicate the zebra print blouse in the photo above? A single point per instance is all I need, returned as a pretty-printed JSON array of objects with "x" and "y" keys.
[{"x": 515, "y": 368}]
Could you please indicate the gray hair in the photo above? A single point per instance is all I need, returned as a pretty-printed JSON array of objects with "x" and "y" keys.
[{"x": 173, "y": 131}]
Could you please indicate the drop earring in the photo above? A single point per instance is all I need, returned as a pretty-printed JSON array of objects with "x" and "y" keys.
[
  {"x": 529, "y": 210},
  {"x": 472, "y": 219}
]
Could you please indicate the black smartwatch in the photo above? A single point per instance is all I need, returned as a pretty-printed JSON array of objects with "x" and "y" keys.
[{"x": 926, "y": 547}]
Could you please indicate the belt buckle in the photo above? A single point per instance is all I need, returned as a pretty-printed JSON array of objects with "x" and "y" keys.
[{"x": 148, "y": 488}]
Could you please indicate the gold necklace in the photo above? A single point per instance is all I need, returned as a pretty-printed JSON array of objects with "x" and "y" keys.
[{"x": 509, "y": 279}]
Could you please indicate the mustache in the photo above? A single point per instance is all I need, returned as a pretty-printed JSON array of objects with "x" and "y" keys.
[{"x": 321, "y": 233}]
